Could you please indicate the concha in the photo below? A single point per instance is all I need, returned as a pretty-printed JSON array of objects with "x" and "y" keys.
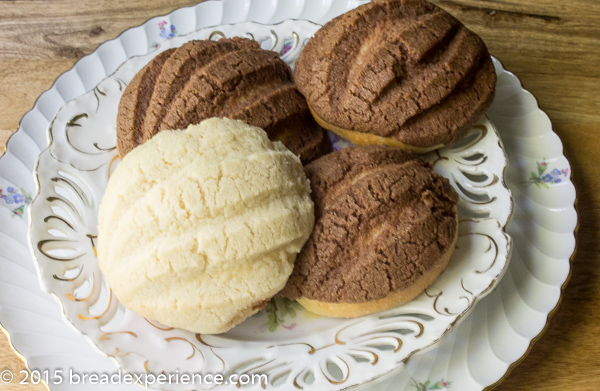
[
  {"x": 231, "y": 78},
  {"x": 199, "y": 228},
  {"x": 399, "y": 72}
]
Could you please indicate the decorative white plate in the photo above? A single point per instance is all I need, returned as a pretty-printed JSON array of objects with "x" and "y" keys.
[
  {"x": 307, "y": 351},
  {"x": 473, "y": 356}
]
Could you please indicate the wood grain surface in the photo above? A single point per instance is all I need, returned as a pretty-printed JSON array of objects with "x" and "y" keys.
[{"x": 553, "y": 46}]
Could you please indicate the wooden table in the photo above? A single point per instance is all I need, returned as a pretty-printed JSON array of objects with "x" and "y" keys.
[{"x": 553, "y": 46}]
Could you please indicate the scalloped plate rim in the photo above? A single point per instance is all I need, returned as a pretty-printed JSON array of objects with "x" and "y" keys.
[{"x": 504, "y": 372}]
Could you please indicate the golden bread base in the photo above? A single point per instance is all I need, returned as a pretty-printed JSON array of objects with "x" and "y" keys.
[
  {"x": 394, "y": 299},
  {"x": 360, "y": 138}
]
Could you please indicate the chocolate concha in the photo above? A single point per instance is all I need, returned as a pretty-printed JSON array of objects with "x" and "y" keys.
[
  {"x": 231, "y": 78},
  {"x": 385, "y": 222},
  {"x": 402, "y": 72}
]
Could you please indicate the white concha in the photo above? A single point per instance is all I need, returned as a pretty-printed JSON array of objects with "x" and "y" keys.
[{"x": 198, "y": 228}]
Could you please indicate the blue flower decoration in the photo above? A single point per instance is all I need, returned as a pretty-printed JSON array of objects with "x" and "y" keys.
[
  {"x": 542, "y": 179},
  {"x": 168, "y": 34},
  {"x": 13, "y": 196}
]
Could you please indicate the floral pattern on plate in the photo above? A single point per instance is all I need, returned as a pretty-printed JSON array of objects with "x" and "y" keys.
[
  {"x": 430, "y": 386},
  {"x": 545, "y": 177},
  {"x": 166, "y": 31},
  {"x": 15, "y": 199}
]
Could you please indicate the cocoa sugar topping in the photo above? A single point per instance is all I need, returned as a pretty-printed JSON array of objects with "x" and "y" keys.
[
  {"x": 231, "y": 78},
  {"x": 383, "y": 218},
  {"x": 402, "y": 69}
]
